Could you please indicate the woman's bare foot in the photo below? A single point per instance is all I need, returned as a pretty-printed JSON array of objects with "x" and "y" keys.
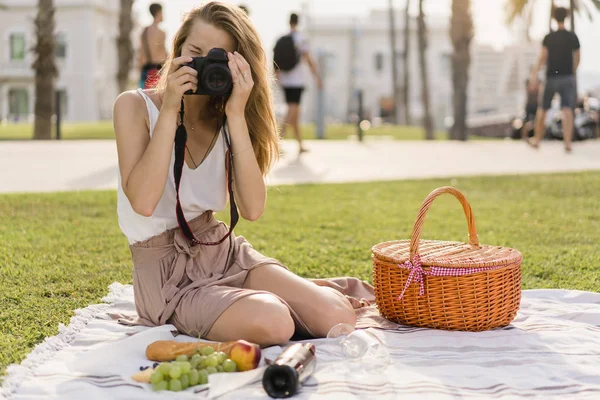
[{"x": 568, "y": 148}]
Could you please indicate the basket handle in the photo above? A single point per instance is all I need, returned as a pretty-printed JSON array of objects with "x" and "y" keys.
[{"x": 418, "y": 227}]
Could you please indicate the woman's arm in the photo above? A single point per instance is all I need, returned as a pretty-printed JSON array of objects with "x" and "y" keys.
[
  {"x": 313, "y": 68},
  {"x": 144, "y": 162},
  {"x": 249, "y": 184}
]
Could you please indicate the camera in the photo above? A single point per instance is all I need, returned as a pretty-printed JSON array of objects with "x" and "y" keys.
[{"x": 214, "y": 75}]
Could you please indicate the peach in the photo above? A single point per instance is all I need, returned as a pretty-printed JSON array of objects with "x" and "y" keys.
[{"x": 246, "y": 355}]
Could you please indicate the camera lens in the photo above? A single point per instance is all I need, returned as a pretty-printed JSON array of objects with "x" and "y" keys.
[{"x": 217, "y": 79}]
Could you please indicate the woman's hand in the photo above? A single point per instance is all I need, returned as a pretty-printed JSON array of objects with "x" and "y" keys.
[
  {"x": 179, "y": 81},
  {"x": 242, "y": 85}
]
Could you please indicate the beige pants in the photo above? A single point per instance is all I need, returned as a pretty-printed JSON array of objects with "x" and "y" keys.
[{"x": 191, "y": 286}]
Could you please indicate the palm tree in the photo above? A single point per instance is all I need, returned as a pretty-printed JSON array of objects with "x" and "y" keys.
[
  {"x": 406, "y": 86},
  {"x": 422, "y": 29},
  {"x": 572, "y": 7},
  {"x": 124, "y": 46},
  {"x": 521, "y": 7},
  {"x": 396, "y": 114},
  {"x": 581, "y": 7},
  {"x": 45, "y": 70},
  {"x": 461, "y": 34}
]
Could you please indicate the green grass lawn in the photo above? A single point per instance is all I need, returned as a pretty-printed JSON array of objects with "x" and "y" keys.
[
  {"x": 104, "y": 130},
  {"x": 92, "y": 130},
  {"x": 59, "y": 252}
]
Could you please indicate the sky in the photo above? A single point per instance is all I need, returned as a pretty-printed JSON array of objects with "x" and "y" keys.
[{"x": 271, "y": 19}]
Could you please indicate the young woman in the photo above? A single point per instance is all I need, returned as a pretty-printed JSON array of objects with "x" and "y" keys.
[{"x": 227, "y": 291}]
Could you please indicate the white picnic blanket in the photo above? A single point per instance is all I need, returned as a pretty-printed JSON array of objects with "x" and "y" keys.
[{"x": 550, "y": 351}]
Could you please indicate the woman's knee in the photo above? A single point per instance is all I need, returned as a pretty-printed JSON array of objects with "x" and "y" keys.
[
  {"x": 259, "y": 318},
  {"x": 270, "y": 322},
  {"x": 273, "y": 323}
]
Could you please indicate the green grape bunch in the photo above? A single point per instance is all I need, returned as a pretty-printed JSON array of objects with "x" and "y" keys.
[{"x": 186, "y": 372}]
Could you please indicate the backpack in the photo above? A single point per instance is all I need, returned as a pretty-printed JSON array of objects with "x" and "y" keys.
[{"x": 285, "y": 54}]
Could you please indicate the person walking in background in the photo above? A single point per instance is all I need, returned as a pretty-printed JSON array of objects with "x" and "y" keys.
[
  {"x": 153, "y": 52},
  {"x": 288, "y": 54},
  {"x": 561, "y": 54},
  {"x": 532, "y": 99}
]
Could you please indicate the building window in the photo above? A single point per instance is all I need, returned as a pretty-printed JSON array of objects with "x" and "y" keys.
[
  {"x": 379, "y": 62},
  {"x": 17, "y": 46},
  {"x": 18, "y": 103},
  {"x": 63, "y": 103},
  {"x": 61, "y": 46}
]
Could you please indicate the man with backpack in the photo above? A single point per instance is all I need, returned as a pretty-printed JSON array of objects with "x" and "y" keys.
[{"x": 289, "y": 53}]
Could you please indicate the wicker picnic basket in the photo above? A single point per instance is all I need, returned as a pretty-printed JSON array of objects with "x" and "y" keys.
[{"x": 447, "y": 285}]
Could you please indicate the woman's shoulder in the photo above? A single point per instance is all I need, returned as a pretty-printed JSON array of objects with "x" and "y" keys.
[
  {"x": 129, "y": 101},
  {"x": 130, "y": 110},
  {"x": 138, "y": 98}
]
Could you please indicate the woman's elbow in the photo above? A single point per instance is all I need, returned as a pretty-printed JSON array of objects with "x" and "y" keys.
[
  {"x": 253, "y": 215},
  {"x": 144, "y": 211},
  {"x": 143, "y": 208}
]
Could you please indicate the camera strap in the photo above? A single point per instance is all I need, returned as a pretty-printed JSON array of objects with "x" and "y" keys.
[{"x": 180, "y": 141}]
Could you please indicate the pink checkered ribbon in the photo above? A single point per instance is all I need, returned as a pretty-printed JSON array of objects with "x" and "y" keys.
[{"x": 417, "y": 273}]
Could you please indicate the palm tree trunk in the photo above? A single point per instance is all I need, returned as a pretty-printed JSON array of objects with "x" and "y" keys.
[
  {"x": 427, "y": 123},
  {"x": 529, "y": 21},
  {"x": 572, "y": 5},
  {"x": 394, "y": 62},
  {"x": 45, "y": 70},
  {"x": 406, "y": 91},
  {"x": 461, "y": 34},
  {"x": 124, "y": 46}
]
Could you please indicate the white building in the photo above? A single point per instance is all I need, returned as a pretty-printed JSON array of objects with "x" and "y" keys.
[
  {"x": 357, "y": 57},
  {"x": 86, "y": 32},
  {"x": 498, "y": 78}
]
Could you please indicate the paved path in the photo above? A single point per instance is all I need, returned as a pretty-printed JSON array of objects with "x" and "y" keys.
[{"x": 27, "y": 166}]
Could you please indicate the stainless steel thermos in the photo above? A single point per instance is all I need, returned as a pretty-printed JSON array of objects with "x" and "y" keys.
[{"x": 283, "y": 378}]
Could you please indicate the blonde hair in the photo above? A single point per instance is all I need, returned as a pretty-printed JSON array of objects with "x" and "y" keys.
[{"x": 259, "y": 113}]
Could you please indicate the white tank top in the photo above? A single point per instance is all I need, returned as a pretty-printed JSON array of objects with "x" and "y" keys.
[{"x": 201, "y": 189}]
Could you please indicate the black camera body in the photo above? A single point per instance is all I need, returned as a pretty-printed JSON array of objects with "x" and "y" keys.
[{"x": 214, "y": 75}]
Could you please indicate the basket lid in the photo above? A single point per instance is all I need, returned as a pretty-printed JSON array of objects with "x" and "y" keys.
[
  {"x": 447, "y": 254},
  {"x": 443, "y": 253}
]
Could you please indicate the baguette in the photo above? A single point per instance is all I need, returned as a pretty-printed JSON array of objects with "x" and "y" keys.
[{"x": 168, "y": 350}]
